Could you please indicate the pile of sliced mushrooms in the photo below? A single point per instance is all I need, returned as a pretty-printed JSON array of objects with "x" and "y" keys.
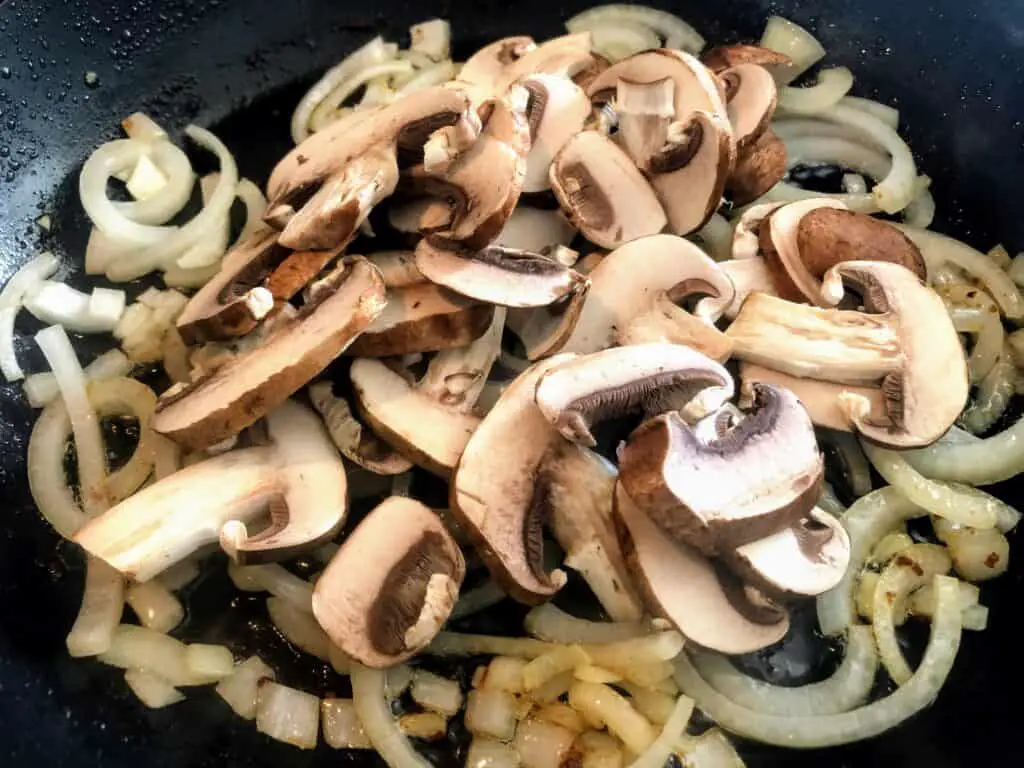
[{"x": 560, "y": 206}]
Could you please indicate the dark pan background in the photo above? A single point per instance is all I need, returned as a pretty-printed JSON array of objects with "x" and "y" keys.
[{"x": 954, "y": 69}]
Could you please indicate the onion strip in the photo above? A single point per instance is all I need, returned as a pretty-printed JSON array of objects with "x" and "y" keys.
[
  {"x": 888, "y": 115},
  {"x": 374, "y": 710},
  {"x": 550, "y": 623},
  {"x": 802, "y": 48},
  {"x": 27, "y": 278},
  {"x": 100, "y": 611},
  {"x": 9, "y": 365},
  {"x": 832, "y": 85},
  {"x": 661, "y": 749},
  {"x": 329, "y": 109},
  {"x": 676, "y": 32},
  {"x": 992, "y": 397}
]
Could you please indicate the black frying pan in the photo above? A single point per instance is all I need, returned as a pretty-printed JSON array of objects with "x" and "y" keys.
[{"x": 954, "y": 69}]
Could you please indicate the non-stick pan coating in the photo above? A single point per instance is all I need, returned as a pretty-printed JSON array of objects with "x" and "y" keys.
[{"x": 953, "y": 68}]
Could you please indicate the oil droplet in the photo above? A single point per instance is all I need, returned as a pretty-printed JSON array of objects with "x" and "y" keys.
[
  {"x": 92, "y": 80},
  {"x": 5, "y": 73}
]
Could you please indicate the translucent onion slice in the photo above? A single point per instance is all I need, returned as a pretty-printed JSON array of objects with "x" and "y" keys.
[
  {"x": 374, "y": 712},
  {"x": 436, "y": 74},
  {"x": 842, "y": 152},
  {"x": 848, "y": 687},
  {"x": 982, "y": 462},
  {"x": 603, "y": 704},
  {"x": 165, "y": 202},
  {"x": 27, "y": 278},
  {"x": 274, "y": 579},
  {"x": 888, "y": 115},
  {"x": 59, "y": 304},
  {"x": 622, "y": 39},
  {"x": 155, "y": 605},
  {"x": 992, "y": 397},
  {"x": 341, "y": 726},
  {"x": 812, "y": 732},
  {"x": 801, "y": 46},
  {"x": 241, "y": 689},
  {"x": 9, "y": 365},
  {"x": 549, "y": 622},
  {"x": 151, "y": 689},
  {"x": 867, "y": 520},
  {"x": 100, "y": 611},
  {"x": 956, "y": 503},
  {"x": 41, "y": 388},
  {"x": 657, "y": 755},
  {"x": 329, "y": 109},
  {"x": 676, "y": 33},
  {"x": 288, "y": 715},
  {"x": 255, "y": 203},
  {"x": 436, "y": 693},
  {"x": 831, "y": 86},
  {"x": 299, "y": 628}
]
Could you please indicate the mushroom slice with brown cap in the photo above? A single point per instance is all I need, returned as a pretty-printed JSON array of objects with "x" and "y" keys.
[
  {"x": 556, "y": 110},
  {"x": 822, "y": 399},
  {"x": 456, "y": 377},
  {"x": 397, "y": 268},
  {"x": 746, "y": 242},
  {"x": 727, "y": 56},
  {"x": 603, "y": 193},
  {"x": 492, "y": 492},
  {"x": 421, "y": 216},
  {"x": 760, "y": 166},
  {"x": 666, "y": 322},
  {"x": 643, "y": 378},
  {"x": 751, "y": 97},
  {"x": 804, "y": 560},
  {"x": 574, "y": 493},
  {"x": 624, "y": 282},
  {"x": 682, "y": 586},
  {"x": 644, "y": 112},
  {"x": 722, "y": 484},
  {"x": 356, "y": 442},
  {"x": 299, "y": 477},
  {"x": 488, "y": 70},
  {"x": 545, "y": 330},
  {"x": 422, "y": 318},
  {"x": 247, "y": 387},
  {"x": 392, "y": 585},
  {"x": 497, "y": 275}
]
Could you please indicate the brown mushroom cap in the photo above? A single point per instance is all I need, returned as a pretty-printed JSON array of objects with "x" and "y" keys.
[
  {"x": 721, "y": 485},
  {"x": 644, "y": 378},
  {"x": 246, "y": 388},
  {"x": 422, "y": 318},
  {"x": 726, "y": 56},
  {"x": 751, "y": 97},
  {"x": 804, "y": 560},
  {"x": 760, "y": 166},
  {"x": 493, "y": 490},
  {"x": 489, "y": 68},
  {"x": 556, "y": 111},
  {"x": 603, "y": 193},
  {"x": 746, "y": 236},
  {"x": 681, "y": 585},
  {"x": 392, "y": 585}
]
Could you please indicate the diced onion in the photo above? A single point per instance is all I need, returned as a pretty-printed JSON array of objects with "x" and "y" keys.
[
  {"x": 41, "y": 388},
  {"x": 712, "y": 749},
  {"x": 978, "y": 555},
  {"x": 561, "y": 659},
  {"x": 299, "y": 627},
  {"x": 505, "y": 673},
  {"x": 662, "y": 747},
  {"x": 811, "y": 732},
  {"x": 151, "y": 689},
  {"x": 100, "y": 611},
  {"x": 554, "y": 688},
  {"x": 676, "y": 33},
  {"x": 274, "y": 579},
  {"x": 590, "y": 673},
  {"x": 542, "y": 744},
  {"x": 146, "y": 180},
  {"x": 656, "y": 706},
  {"x": 156, "y": 202},
  {"x": 563, "y": 715},
  {"x": 341, "y": 726},
  {"x": 241, "y": 688},
  {"x": 436, "y": 693},
  {"x": 156, "y": 606},
  {"x": 60, "y": 304},
  {"x": 490, "y": 753},
  {"x": 802, "y": 48},
  {"x": 179, "y": 575},
  {"x": 92, "y": 464},
  {"x": 26, "y": 279},
  {"x": 832, "y": 85},
  {"x": 491, "y": 712},
  {"x": 209, "y": 662},
  {"x": 428, "y": 726},
  {"x": 602, "y": 704},
  {"x": 288, "y": 715},
  {"x": 140, "y": 648},
  {"x": 374, "y": 712},
  {"x": 549, "y": 622}
]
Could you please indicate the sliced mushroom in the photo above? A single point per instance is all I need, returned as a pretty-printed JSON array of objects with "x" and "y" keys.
[
  {"x": 644, "y": 112},
  {"x": 392, "y": 585},
  {"x": 746, "y": 242},
  {"x": 247, "y": 387},
  {"x": 492, "y": 492},
  {"x": 569, "y": 56},
  {"x": 751, "y": 97},
  {"x": 498, "y": 275},
  {"x": 645, "y": 378},
  {"x": 624, "y": 283},
  {"x": 665, "y": 322},
  {"x": 421, "y": 216},
  {"x": 603, "y": 193},
  {"x": 299, "y": 478},
  {"x": 556, "y": 110},
  {"x": 422, "y": 318},
  {"x": 491, "y": 70},
  {"x": 804, "y": 560},
  {"x": 545, "y": 330},
  {"x": 397, "y": 268},
  {"x": 722, "y": 484},
  {"x": 487, "y": 71},
  {"x": 356, "y": 442},
  {"x": 681, "y": 585},
  {"x": 759, "y": 167},
  {"x": 727, "y": 56},
  {"x": 419, "y": 427},
  {"x": 574, "y": 494},
  {"x": 749, "y": 275},
  {"x": 456, "y": 377}
]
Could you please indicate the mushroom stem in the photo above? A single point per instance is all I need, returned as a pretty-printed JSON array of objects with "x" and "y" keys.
[
  {"x": 456, "y": 377},
  {"x": 667, "y": 323}
]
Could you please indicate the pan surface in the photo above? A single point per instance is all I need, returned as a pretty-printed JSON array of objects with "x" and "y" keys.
[{"x": 954, "y": 69}]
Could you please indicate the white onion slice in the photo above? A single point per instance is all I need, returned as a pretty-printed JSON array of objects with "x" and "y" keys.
[
  {"x": 255, "y": 203},
  {"x": 866, "y": 521},
  {"x": 983, "y": 462},
  {"x": 662, "y": 747},
  {"x": 241, "y": 689},
  {"x": 151, "y": 689},
  {"x": 92, "y": 464},
  {"x": 181, "y": 574},
  {"x": 341, "y": 726},
  {"x": 145, "y": 180},
  {"x": 60, "y": 304},
  {"x": 602, "y": 704},
  {"x": 288, "y": 715},
  {"x": 921, "y": 211},
  {"x": 787, "y": 128},
  {"x": 784, "y": 192},
  {"x": 374, "y": 52},
  {"x": 810, "y": 732},
  {"x": 27, "y": 278},
  {"x": 156, "y": 606},
  {"x": 622, "y": 39},
  {"x": 436, "y": 693},
  {"x": 139, "y": 125},
  {"x": 992, "y": 397},
  {"x": 374, "y": 712},
  {"x": 209, "y": 251},
  {"x": 274, "y": 579},
  {"x": 329, "y": 110},
  {"x": 888, "y": 115},
  {"x": 490, "y": 753},
  {"x": 46, "y": 477},
  {"x": 844, "y": 153},
  {"x": 432, "y": 38},
  {"x": 791, "y": 39},
  {"x": 436, "y": 74},
  {"x": 100, "y": 611},
  {"x": 676, "y": 32},
  {"x": 848, "y": 686},
  {"x": 491, "y": 712},
  {"x": 299, "y": 628},
  {"x": 9, "y": 365},
  {"x": 161, "y": 204},
  {"x": 209, "y": 662},
  {"x": 543, "y": 744},
  {"x": 854, "y": 184},
  {"x": 549, "y": 622},
  {"x": 831, "y": 86}
]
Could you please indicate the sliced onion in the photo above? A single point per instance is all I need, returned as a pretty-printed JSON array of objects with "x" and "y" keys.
[
  {"x": 832, "y": 85},
  {"x": 145, "y": 180},
  {"x": 854, "y": 184},
  {"x": 828, "y": 501},
  {"x": 374, "y": 52},
  {"x": 341, "y": 726},
  {"x": 374, "y": 712},
  {"x": 92, "y": 464},
  {"x": 151, "y": 689},
  {"x": 978, "y": 555},
  {"x": 299, "y": 628},
  {"x": 100, "y": 611},
  {"x": 46, "y": 478},
  {"x": 436, "y": 693},
  {"x": 431, "y": 38},
  {"x": 479, "y": 599},
  {"x": 41, "y": 388},
  {"x": 179, "y": 575},
  {"x": 784, "y": 192},
  {"x": 437, "y": 74},
  {"x": 255, "y": 203},
  {"x": 866, "y": 521},
  {"x": 542, "y": 744},
  {"x": 802, "y": 48},
  {"x": 662, "y": 747},
  {"x": 841, "y": 152},
  {"x": 60, "y": 304},
  {"x": 676, "y": 32},
  {"x": 602, "y": 704},
  {"x": 490, "y": 753},
  {"x": 288, "y": 715},
  {"x": 921, "y": 211},
  {"x": 956, "y": 503},
  {"x": 888, "y": 115},
  {"x": 165, "y": 202},
  {"x": 504, "y": 673},
  {"x": 622, "y": 39},
  {"x": 27, "y": 278},
  {"x": 241, "y": 689},
  {"x": 712, "y": 749},
  {"x": 156, "y": 606},
  {"x": 848, "y": 687},
  {"x": 788, "y": 128},
  {"x": 328, "y": 110},
  {"x": 549, "y": 622},
  {"x": 9, "y": 365},
  {"x": 983, "y": 462},
  {"x": 209, "y": 663},
  {"x": 939, "y": 250},
  {"x": 491, "y": 712},
  {"x": 274, "y": 579},
  {"x": 210, "y": 250},
  {"x": 561, "y": 659},
  {"x": 810, "y": 732},
  {"x": 992, "y": 397},
  {"x": 140, "y": 648}
]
